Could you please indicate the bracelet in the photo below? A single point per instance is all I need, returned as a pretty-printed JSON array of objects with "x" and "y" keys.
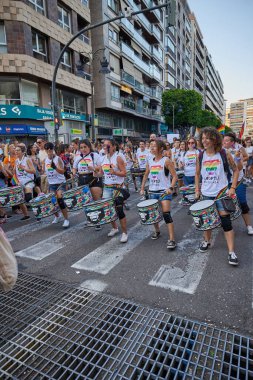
[{"x": 232, "y": 187}]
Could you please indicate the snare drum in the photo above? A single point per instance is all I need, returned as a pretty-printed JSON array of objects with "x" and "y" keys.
[
  {"x": 11, "y": 196},
  {"x": 101, "y": 212},
  {"x": 188, "y": 193},
  {"x": 235, "y": 214},
  {"x": 205, "y": 215},
  {"x": 149, "y": 211},
  {"x": 76, "y": 198},
  {"x": 44, "y": 205}
]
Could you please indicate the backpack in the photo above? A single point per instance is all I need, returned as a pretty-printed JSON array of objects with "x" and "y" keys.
[{"x": 224, "y": 160}]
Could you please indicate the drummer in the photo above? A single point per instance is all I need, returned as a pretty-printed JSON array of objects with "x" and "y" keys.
[
  {"x": 113, "y": 168},
  {"x": 159, "y": 169},
  {"x": 142, "y": 155},
  {"x": 214, "y": 170},
  {"x": 188, "y": 160},
  {"x": 86, "y": 165},
  {"x": 54, "y": 169},
  {"x": 24, "y": 170}
]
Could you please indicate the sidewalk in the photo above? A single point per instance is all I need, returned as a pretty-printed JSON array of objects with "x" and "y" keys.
[{"x": 50, "y": 330}]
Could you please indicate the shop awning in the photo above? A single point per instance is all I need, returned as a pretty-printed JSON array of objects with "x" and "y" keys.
[{"x": 22, "y": 130}]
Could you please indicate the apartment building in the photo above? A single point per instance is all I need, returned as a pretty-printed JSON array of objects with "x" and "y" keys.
[
  {"x": 128, "y": 100},
  {"x": 32, "y": 34},
  {"x": 188, "y": 63},
  {"x": 242, "y": 112}
]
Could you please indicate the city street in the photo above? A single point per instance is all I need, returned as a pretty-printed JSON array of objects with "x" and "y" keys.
[{"x": 183, "y": 282}]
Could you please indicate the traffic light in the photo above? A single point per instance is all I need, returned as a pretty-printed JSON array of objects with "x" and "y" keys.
[
  {"x": 171, "y": 12},
  {"x": 56, "y": 123}
]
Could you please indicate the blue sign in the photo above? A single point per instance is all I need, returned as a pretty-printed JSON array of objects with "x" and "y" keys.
[{"x": 20, "y": 130}]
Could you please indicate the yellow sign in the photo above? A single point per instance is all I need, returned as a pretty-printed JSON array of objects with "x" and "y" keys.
[
  {"x": 76, "y": 131},
  {"x": 126, "y": 89}
]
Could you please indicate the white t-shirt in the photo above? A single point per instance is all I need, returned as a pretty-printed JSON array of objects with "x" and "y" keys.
[
  {"x": 54, "y": 178},
  {"x": 82, "y": 164},
  {"x": 22, "y": 175},
  {"x": 142, "y": 158},
  {"x": 249, "y": 151},
  {"x": 157, "y": 179},
  {"x": 189, "y": 161},
  {"x": 213, "y": 175},
  {"x": 106, "y": 163}
]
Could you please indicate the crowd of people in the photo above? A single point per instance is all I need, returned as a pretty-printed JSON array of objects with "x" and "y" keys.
[{"x": 213, "y": 164}]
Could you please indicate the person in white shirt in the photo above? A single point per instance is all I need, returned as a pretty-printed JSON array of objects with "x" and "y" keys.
[{"x": 249, "y": 164}]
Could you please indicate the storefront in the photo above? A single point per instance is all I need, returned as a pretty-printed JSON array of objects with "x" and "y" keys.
[{"x": 22, "y": 132}]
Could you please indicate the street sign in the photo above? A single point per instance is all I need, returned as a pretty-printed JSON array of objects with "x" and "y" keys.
[{"x": 118, "y": 132}]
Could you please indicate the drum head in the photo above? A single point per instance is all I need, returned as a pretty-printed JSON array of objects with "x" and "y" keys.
[
  {"x": 201, "y": 205},
  {"x": 147, "y": 203}
]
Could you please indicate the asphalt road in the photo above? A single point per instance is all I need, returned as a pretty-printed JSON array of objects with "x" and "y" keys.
[{"x": 184, "y": 282}]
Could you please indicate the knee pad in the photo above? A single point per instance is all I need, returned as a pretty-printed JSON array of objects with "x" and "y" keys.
[
  {"x": 119, "y": 201},
  {"x": 61, "y": 203},
  {"x": 28, "y": 197},
  {"x": 167, "y": 217},
  {"x": 226, "y": 223},
  {"x": 245, "y": 208}
]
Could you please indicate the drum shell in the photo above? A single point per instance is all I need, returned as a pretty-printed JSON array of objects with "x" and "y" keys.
[
  {"x": 77, "y": 198},
  {"x": 11, "y": 196},
  {"x": 100, "y": 212},
  {"x": 149, "y": 214},
  {"x": 206, "y": 218},
  {"x": 235, "y": 214},
  {"x": 44, "y": 206}
]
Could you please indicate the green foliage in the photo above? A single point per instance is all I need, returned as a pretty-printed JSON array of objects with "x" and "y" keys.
[
  {"x": 208, "y": 118},
  {"x": 228, "y": 129},
  {"x": 187, "y": 107}
]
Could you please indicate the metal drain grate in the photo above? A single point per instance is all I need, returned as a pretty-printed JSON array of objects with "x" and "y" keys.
[{"x": 51, "y": 331}]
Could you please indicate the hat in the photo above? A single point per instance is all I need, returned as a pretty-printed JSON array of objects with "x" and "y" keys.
[{"x": 1, "y": 151}]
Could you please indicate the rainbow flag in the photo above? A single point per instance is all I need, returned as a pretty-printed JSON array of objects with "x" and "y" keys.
[
  {"x": 14, "y": 180},
  {"x": 221, "y": 129}
]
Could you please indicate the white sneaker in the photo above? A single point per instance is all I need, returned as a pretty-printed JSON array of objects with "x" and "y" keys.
[
  {"x": 124, "y": 238},
  {"x": 250, "y": 230},
  {"x": 66, "y": 223},
  {"x": 56, "y": 220},
  {"x": 113, "y": 232}
]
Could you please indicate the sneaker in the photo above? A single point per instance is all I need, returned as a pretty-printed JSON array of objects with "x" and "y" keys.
[
  {"x": 98, "y": 227},
  {"x": 25, "y": 217},
  {"x": 155, "y": 235},
  {"x": 232, "y": 259},
  {"x": 143, "y": 198},
  {"x": 250, "y": 230},
  {"x": 124, "y": 238},
  {"x": 204, "y": 246},
  {"x": 171, "y": 244},
  {"x": 127, "y": 207},
  {"x": 56, "y": 220},
  {"x": 113, "y": 232},
  {"x": 65, "y": 223}
]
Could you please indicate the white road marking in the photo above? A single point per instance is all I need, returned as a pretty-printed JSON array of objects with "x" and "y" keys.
[
  {"x": 48, "y": 246},
  {"x": 187, "y": 279},
  {"x": 94, "y": 285},
  {"x": 103, "y": 259}
]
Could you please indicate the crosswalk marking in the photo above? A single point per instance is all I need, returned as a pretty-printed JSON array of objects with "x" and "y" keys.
[
  {"x": 185, "y": 280},
  {"x": 94, "y": 285},
  {"x": 48, "y": 246}
]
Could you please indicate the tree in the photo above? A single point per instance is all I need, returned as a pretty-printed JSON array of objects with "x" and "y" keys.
[
  {"x": 209, "y": 119},
  {"x": 187, "y": 106}
]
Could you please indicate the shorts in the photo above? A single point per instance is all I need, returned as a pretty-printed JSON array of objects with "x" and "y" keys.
[
  {"x": 57, "y": 186},
  {"x": 218, "y": 202},
  {"x": 96, "y": 183},
  {"x": 2, "y": 183},
  {"x": 250, "y": 161},
  {"x": 159, "y": 195},
  {"x": 189, "y": 180},
  {"x": 241, "y": 193},
  {"x": 28, "y": 185}
]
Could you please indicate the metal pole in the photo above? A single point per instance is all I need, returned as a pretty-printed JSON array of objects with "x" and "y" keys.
[
  {"x": 54, "y": 102},
  {"x": 173, "y": 115},
  {"x": 92, "y": 131}
]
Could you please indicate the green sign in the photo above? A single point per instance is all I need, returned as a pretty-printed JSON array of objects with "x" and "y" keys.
[
  {"x": 163, "y": 129},
  {"x": 35, "y": 113},
  {"x": 118, "y": 132},
  {"x": 76, "y": 131}
]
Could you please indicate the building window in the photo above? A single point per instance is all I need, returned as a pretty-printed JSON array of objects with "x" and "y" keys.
[
  {"x": 29, "y": 93},
  {"x": 172, "y": 64},
  {"x": 66, "y": 61},
  {"x": 171, "y": 45},
  {"x": 39, "y": 46},
  {"x": 171, "y": 80},
  {"x": 115, "y": 93},
  {"x": 64, "y": 18},
  {"x": 114, "y": 5},
  {"x": 113, "y": 35},
  {"x": 3, "y": 43},
  {"x": 9, "y": 91},
  {"x": 38, "y": 6},
  {"x": 85, "y": 3}
]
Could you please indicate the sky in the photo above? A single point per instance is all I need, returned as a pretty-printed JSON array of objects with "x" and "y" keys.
[{"x": 227, "y": 29}]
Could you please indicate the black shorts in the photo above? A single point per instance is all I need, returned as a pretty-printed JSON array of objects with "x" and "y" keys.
[
  {"x": 96, "y": 183},
  {"x": 90, "y": 181}
]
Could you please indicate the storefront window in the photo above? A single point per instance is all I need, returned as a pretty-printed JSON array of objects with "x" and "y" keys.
[{"x": 9, "y": 91}]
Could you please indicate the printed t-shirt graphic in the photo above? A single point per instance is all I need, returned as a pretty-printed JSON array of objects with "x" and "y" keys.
[
  {"x": 84, "y": 164},
  {"x": 155, "y": 177},
  {"x": 212, "y": 174}
]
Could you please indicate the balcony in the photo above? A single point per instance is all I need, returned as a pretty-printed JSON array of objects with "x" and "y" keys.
[
  {"x": 141, "y": 41},
  {"x": 158, "y": 54},
  {"x": 134, "y": 107},
  {"x": 155, "y": 73},
  {"x": 142, "y": 65},
  {"x": 127, "y": 78},
  {"x": 156, "y": 92},
  {"x": 84, "y": 38},
  {"x": 155, "y": 31},
  {"x": 127, "y": 50},
  {"x": 127, "y": 25},
  {"x": 143, "y": 19}
]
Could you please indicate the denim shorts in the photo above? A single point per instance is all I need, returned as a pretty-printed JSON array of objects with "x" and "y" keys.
[
  {"x": 159, "y": 195},
  {"x": 57, "y": 186},
  {"x": 188, "y": 180},
  {"x": 218, "y": 202}
]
